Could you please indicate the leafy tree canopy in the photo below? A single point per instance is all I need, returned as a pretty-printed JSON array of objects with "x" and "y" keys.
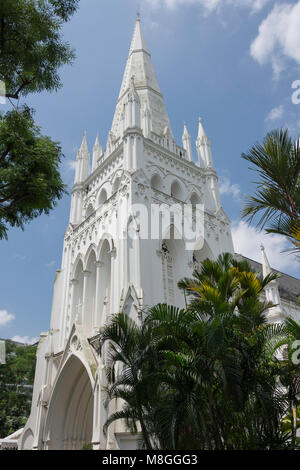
[
  {"x": 277, "y": 198},
  {"x": 16, "y": 377},
  {"x": 31, "y": 53},
  {"x": 30, "y": 182},
  {"x": 31, "y": 48}
]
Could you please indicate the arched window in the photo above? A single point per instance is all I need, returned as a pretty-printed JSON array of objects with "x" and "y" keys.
[
  {"x": 176, "y": 190},
  {"x": 156, "y": 182},
  {"x": 104, "y": 297},
  {"x": 89, "y": 211},
  {"x": 103, "y": 197},
  {"x": 116, "y": 184},
  {"x": 195, "y": 199},
  {"x": 201, "y": 255},
  {"x": 90, "y": 295}
]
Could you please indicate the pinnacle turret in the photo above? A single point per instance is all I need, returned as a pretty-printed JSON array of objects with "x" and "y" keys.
[
  {"x": 82, "y": 162},
  {"x": 97, "y": 152},
  {"x": 203, "y": 147},
  {"x": 265, "y": 262},
  {"x": 271, "y": 290},
  {"x": 187, "y": 144}
]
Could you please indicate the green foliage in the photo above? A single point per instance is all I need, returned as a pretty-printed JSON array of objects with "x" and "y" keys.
[
  {"x": 30, "y": 182},
  {"x": 31, "y": 52},
  {"x": 205, "y": 377},
  {"x": 15, "y": 398},
  {"x": 31, "y": 48},
  {"x": 87, "y": 446},
  {"x": 277, "y": 198}
]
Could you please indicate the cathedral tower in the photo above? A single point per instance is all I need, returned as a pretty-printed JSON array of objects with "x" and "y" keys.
[{"x": 115, "y": 259}]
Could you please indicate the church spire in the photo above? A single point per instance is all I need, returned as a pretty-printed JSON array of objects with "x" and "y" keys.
[{"x": 139, "y": 65}]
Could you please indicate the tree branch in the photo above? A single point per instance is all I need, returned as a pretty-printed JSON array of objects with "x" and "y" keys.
[
  {"x": 6, "y": 152},
  {"x": 15, "y": 96}
]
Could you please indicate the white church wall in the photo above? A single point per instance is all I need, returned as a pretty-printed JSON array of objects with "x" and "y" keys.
[{"x": 104, "y": 270}]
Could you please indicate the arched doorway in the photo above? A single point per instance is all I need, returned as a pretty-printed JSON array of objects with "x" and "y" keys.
[{"x": 69, "y": 424}]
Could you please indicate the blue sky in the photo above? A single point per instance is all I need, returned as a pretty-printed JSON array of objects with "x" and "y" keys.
[{"x": 232, "y": 62}]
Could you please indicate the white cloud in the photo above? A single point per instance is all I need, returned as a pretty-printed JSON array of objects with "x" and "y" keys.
[
  {"x": 24, "y": 339},
  {"x": 247, "y": 241},
  {"x": 5, "y": 317},
  {"x": 210, "y": 5},
  {"x": 71, "y": 165},
  {"x": 228, "y": 189},
  {"x": 275, "y": 113},
  {"x": 50, "y": 264},
  {"x": 278, "y": 37}
]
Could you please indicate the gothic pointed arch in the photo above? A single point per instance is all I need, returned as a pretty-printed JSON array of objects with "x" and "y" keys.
[
  {"x": 69, "y": 422},
  {"x": 176, "y": 189},
  {"x": 104, "y": 283},
  {"x": 195, "y": 198},
  {"x": 106, "y": 237},
  {"x": 89, "y": 303},
  {"x": 27, "y": 440},
  {"x": 116, "y": 180},
  {"x": 132, "y": 301},
  {"x": 156, "y": 181},
  {"x": 89, "y": 210},
  {"x": 91, "y": 248},
  {"x": 79, "y": 258},
  {"x": 201, "y": 252},
  {"x": 103, "y": 194}
]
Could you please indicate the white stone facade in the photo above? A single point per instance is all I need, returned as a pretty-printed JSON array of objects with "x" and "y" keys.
[{"x": 103, "y": 271}]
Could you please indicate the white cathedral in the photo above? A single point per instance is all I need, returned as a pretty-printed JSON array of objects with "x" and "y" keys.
[{"x": 104, "y": 272}]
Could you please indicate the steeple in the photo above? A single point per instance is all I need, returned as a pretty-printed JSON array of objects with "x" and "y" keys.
[
  {"x": 97, "y": 152},
  {"x": 139, "y": 65},
  {"x": 203, "y": 147},
  {"x": 187, "y": 144}
]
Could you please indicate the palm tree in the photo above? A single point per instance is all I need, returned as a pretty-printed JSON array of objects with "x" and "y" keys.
[
  {"x": 204, "y": 377},
  {"x": 277, "y": 198},
  {"x": 291, "y": 377},
  {"x": 129, "y": 350}
]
